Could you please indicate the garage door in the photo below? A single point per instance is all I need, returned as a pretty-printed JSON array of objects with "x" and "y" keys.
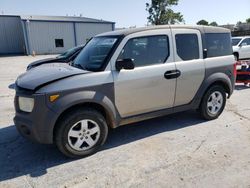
[{"x": 11, "y": 36}]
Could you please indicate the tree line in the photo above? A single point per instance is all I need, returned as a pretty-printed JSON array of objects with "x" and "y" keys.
[{"x": 204, "y": 22}]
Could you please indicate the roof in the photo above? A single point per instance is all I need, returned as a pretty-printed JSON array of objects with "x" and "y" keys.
[
  {"x": 59, "y": 18},
  {"x": 207, "y": 29}
]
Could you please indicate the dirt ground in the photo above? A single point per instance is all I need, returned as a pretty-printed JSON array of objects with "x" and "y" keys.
[{"x": 180, "y": 150}]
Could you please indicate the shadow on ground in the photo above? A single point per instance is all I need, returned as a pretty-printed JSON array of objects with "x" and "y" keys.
[
  {"x": 20, "y": 157},
  {"x": 242, "y": 87}
]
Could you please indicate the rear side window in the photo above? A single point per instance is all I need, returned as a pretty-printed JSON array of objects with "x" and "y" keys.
[
  {"x": 218, "y": 44},
  {"x": 187, "y": 46},
  {"x": 147, "y": 50}
]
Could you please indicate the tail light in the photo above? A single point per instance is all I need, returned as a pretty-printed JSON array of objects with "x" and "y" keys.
[{"x": 235, "y": 70}]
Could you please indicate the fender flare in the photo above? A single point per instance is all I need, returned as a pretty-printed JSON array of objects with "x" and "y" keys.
[
  {"x": 215, "y": 78},
  {"x": 69, "y": 100}
]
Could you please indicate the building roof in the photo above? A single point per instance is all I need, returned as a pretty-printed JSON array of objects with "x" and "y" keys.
[
  {"x": 62, "y": 18},
  {"x": 59, "y": 18},
  {"x": 202, "y": 29}
]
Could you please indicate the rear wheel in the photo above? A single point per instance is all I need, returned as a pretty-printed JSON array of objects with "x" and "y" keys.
[
  {"x": 81, "y": 133},
  {"x": 213, "y": 102}
]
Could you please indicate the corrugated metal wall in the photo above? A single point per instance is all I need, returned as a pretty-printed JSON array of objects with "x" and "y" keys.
[
  {"x": 84, "y": 31},
  {"x": 42, "y": 35},
  {"x": 11, "y": 36}
]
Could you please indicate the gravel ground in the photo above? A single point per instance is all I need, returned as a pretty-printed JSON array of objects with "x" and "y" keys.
[{"x": 180, "y": 150}]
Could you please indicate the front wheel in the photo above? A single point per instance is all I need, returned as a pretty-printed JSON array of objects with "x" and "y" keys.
[
  {"x": 236, "y": 56},
  {"x": 81, "y": 133},
  {"x": 213, "y": 103}
]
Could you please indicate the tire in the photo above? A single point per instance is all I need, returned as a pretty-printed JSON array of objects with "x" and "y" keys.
[
  {"x": 81, "y": 133},
  {"x": 213, "y": 103},
  {"x": 236, "y": 56}
]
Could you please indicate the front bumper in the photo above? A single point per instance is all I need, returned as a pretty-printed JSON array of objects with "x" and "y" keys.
[{"x": 39, "y": 124}]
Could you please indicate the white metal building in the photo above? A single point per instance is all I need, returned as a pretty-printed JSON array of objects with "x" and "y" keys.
[{"x": 47, "y": 34}]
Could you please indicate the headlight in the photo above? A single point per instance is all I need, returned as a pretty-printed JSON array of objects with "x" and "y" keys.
[{"x": 26, "y": 104}]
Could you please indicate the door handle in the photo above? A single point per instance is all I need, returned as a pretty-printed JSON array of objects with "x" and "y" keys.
[{"x": 172, "y": 74}]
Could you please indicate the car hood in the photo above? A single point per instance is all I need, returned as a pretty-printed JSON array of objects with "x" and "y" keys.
[
  {"x": 44, "y": 61},
  {"x": 45, "y": 74}
]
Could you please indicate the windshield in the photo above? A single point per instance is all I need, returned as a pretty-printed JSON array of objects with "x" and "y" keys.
[
  {"x": 236, "y": 41},
  {"x": 95, "y": 53},
  {"x": 69, "y": 52}
]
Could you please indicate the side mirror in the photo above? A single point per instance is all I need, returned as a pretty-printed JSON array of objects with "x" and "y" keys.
[
  {"x": 243, "y": 44},
  {"x": 127, "y": 64}
]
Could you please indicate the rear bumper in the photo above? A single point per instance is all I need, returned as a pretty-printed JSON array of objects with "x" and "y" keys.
[{"x": 38, "y": 125}]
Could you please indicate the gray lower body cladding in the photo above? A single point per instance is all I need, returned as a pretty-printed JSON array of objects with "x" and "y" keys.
[{"x": 37, "y": 125}]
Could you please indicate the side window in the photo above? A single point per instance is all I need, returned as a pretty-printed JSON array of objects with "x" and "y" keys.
[
  {"x": 247, "y": 41},
  {"x": 218, "y": 44},
  {"x": 146, "y": 50},
  {"x": 187, "y": 46}
]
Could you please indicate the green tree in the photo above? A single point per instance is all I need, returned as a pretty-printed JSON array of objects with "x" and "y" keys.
[
  {"x": 202, "y": 22},
  {"x": 213, "y": 24},
  {"x": 248, "y": 20},
  {"x": 160, "y": 12}
]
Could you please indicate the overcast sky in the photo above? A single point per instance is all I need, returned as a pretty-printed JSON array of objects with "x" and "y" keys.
[{"x": 131, "y": 12}]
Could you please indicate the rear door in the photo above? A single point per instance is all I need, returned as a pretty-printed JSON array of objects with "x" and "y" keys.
[
  {"x": 189, "y": 62},
  {"x": 145, "y": 89}
]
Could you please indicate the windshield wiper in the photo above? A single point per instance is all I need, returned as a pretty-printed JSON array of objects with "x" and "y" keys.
[{"x": 73, "y": 64}]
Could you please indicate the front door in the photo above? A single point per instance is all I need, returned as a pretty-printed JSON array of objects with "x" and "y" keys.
[{"x": 145, "y": 88}]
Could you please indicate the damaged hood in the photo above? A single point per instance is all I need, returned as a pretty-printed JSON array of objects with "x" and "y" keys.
[
  {"x": 45, "y": 74},
  {"x": 44, "y": 61}
]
